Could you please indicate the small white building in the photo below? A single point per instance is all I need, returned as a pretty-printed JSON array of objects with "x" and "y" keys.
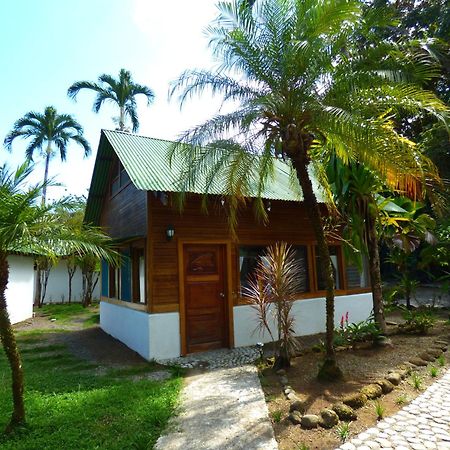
[{"x": 20, "y": 289}]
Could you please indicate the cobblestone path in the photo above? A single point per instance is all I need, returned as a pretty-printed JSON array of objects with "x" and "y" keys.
[{"x": 423, "y": 424}]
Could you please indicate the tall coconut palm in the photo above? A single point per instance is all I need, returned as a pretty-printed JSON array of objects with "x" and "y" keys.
[
  {"x": 26, "y": 227},
  {"x": 301, "y": 88},
  {"x": 121, "y": 92},
  {"x": 48, "y": 132}
]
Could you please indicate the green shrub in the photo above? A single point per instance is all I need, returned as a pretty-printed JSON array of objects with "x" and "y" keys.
[
  {"x": 350, "y": 334},
  {"x": 417, "y": 321}
]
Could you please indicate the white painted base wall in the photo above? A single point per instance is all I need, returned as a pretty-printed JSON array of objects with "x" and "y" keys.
[
  {"x": 157, "y": 336},
  {"x": 19, "y": 292},
  {"x": 309, "y": 317},
  {"x": 151, "y": 335},
  {"x": 58, "y": 285}
]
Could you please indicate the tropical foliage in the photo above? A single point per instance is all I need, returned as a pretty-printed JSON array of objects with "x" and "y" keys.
[
  {"x": 272, "y": 289},
  {"x": 26, "y": 227},
  {"x": 302, "y": 87},
  {"x": 49, "y": 132},
  {"x": 120, "y": 92}
]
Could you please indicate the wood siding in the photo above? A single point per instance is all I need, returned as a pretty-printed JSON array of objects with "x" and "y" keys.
[
  {"x": 124, "y": 215},
  {"x": 287, "y": 221}
]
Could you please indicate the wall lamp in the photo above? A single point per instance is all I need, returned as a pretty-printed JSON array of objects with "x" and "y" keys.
[{"x": 170, "y": 232}]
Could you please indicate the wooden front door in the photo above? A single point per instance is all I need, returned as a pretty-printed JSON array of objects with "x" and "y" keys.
[{"x": 205, "y": 297}]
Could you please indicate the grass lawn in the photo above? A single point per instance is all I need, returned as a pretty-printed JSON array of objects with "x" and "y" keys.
[
  {"x": 72, "y": 405},
  {"x": 64, "y": 314}
]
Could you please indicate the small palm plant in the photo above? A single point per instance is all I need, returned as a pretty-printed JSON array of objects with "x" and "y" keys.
[{"x": 278, "y": 278}]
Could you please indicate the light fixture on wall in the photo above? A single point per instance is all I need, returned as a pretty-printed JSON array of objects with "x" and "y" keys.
[
  {"x": 269, "y": 206},
  {"x": 170, "y": 232}
]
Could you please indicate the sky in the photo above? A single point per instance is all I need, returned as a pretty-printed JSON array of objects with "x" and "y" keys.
[{"x": 46, "y": 45}]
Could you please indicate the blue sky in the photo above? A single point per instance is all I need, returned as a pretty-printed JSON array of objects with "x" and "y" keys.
[{"x": 46, "y": 45}]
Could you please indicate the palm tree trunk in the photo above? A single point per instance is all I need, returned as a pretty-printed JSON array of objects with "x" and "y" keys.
[
  {"x": 121, "y": 118},
  {"x": 47, "y": 163},
  {"x": 375, "y": 274},
  {"x": 329, "y": 370},
  {"x": 10, "y": 347}
]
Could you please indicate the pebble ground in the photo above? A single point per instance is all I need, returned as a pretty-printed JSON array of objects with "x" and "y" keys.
[
  {"x": 215, "y": 359},
  {"x": 423, "y": 424}
]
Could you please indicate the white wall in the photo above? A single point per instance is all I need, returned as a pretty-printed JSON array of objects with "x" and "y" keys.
[
  {"x": 309, "y": 317},
  {"x": 157, "y": 336},
  {"x": 128, "y": 326},
  {"x": 19, "y": 292},
  {"x": 165, "y": 338},
  {"x": 58, "y": 285},
  {"x": 151, "y": 335}
]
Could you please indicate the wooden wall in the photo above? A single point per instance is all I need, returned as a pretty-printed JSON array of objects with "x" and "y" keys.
[
  {"x": 287, "y": 221},
  {"x": 125, "y": 214}
]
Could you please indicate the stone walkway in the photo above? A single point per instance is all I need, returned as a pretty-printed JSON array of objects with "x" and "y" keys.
[
  {"x": 221, "y": 409},
  {"x": 423, "y": 424}
]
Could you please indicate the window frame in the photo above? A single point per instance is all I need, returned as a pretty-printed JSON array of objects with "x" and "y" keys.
[
  {"x": 312, "y": 269},
  {"x": 117, "y": 175},
  {"x": 134, "y": 251}
]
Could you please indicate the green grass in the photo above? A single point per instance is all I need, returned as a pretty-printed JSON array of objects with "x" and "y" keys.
[
  {"x": 276, "y": 416},
  {"x": 343, "y": 431},
  {"x": 379, "y": 410},
  {"x": 434, "y": 371},
  {"x": 64, "y": 313},
  {"x": 416, "y": 381},
  {"x": 70, "y": 406}
]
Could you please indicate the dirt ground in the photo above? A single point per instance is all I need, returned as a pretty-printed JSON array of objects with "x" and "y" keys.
[
  {"x": 91, "y": 344},
  {"x": 360, "y": 367}
]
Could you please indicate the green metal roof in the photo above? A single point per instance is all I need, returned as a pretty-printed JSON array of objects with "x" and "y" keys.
[{"x": 146, "y": 161}]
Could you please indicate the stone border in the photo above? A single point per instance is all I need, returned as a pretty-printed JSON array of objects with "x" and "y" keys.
[{"x": 345, "y": 410}]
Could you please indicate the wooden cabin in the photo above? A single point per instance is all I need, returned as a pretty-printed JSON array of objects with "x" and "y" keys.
[{"x": 180, "y": 286}]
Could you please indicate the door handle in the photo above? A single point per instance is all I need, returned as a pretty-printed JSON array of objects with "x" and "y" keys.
[{"x": 222, "y": 295}]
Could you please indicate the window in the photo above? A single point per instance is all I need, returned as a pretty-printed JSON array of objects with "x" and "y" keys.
[
  {"x": 248, "y": 261},
  {"x": 249, "y": 258},
  {"x": 127, "y": 282},
  {"x": 337, "y": 273},
  {"x": 120, "y": 178},
  {"x": 114, "y": 282},
  {"x": 355, "y": 278},
  {"x": 138, "y": 274}
]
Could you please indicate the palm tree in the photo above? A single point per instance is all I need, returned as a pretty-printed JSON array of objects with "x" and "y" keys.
[
  {"x": 301, "y": 88},
  {"x": 357, "y": 194},
  {"x": 26, "y": 227},
  {"x": 47, "y": 131},
  {"x": 121, "y": 92}
]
